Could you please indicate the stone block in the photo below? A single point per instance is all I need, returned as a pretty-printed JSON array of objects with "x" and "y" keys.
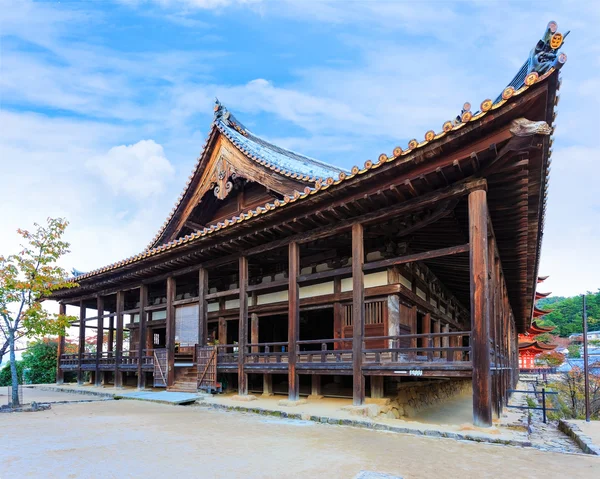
[
  {"x": 378, "y": 401},
  {"x": 366, "y": 410}
]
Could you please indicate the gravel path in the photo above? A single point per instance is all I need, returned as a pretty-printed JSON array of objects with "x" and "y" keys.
[{"x": 131, "y": 439}]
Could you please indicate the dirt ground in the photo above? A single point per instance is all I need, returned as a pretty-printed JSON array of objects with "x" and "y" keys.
[{"x": 131, "y": 439}]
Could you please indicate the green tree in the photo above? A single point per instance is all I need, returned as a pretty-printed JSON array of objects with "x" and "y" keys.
[
  {"x": 574, "y": 351},
  {"x": 566, "y": 313},
  {"x": 6, "y": 376},
  {"x": 40, "y": 361},
  {"x": 26, "y": 279}
]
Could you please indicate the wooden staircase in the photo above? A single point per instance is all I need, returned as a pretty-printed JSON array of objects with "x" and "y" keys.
[{"x": 186, "y": 380}]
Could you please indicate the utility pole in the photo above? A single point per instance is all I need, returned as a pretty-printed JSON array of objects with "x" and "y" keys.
[{"x": 585, "y": 364}]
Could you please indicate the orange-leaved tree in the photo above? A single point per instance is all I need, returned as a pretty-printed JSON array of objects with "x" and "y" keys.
[{"x": 26, "y": 279}]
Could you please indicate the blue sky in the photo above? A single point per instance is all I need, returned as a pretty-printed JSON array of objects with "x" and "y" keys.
[{"x": 105, "y": 105}]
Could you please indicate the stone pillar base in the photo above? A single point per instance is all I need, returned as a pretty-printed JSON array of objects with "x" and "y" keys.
[{"x": 315, "y": 396}]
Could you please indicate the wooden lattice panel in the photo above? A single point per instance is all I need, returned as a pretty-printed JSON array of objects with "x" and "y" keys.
[
  {"x": 206, "y": 357},
  {"x": 160, "y": 368}
]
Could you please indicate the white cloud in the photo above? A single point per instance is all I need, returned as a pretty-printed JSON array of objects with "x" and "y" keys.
[{"x": 138, "y": 170}]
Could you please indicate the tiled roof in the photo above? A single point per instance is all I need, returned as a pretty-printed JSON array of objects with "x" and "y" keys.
[
  {"x": 286, "y": 162},
  {"x": 399, "y": 154}
]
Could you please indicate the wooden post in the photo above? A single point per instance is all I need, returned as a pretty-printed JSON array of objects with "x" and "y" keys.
[
  {"x": 99, "y": 338},
  {"x": 293, "y": 319},
  {"x": 376, "y": 386},
  {"x": 141, "y": 374},
  {"x": 393, "y": 307},
  {"x": 81, "y": 344},
  {"x": 222, "y": 331},
  {"x": 170, "y": 336},
  {"x": 436, "y": 340},
  {"x": 446, "y": 342},
  {"x": 109, "y": 347},
  {"x": 254, "y": 332},
  {"x": 426, "y": 329},
  {"x": 338, "y": 313},
  {"x": 315, "y": 390},
  {"x": 480, "y": 336},
  {"x": 243, "y": 326},
  {"x": 358, "y": 314},
  {"x": 119, "y": 340},
  {"x": 267, "y": 385},
  {"x": 60, "y": 375},
  {"x": 202, "y": 307}
]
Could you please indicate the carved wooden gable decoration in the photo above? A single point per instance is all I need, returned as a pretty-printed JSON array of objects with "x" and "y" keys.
[{"x": 236, "y": 170}]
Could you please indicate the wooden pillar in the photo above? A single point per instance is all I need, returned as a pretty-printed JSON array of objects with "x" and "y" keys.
[
  {"x": 267, "y": 385},
  {"x": 254, "y": 332},
  {"x": 99, "y": 338},
  {"x": 338, "y": 314},
  {"x": 358, "y": 313},
  {"x": 376, "y": 386},
  {"x": 436, "y": 340},
  {"x": 170, "y": 333},
  {"x": 202, "y": 307},
  {"x": 81, "y": 344},
  {"x": 109, "y": 347},
  {"x": 243, "y": 326},
  {"x": 393, "y": 315},
  {"x": 222, "y": 331},
  {"x": 141, "y": 374},
  {"x": 426, "y": 329},
  {"x": 315, "y": 389},
  {"x": 293, "y": 319},
  {"x": 480, "y": 324},
  {"x": 446, "y": 342},
  {"x": 60, "y": 375},
  {"x": 119, "y": 340}
]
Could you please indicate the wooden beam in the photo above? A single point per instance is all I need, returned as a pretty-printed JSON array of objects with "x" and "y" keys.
[
  {"x": 358, "y": 313},
  {"x": 222, "y": 330},
  {"x": 254, "y": 332},
  {"x": 480, "y": 337},
  {"x": 202, "y": 306},
  {"x": 410, "y": 258},
  {"x": 223, "y": 294},
  {"x": 170, "y": 334},
  {"x": 454, "y": 191},
  {"x": 99, "y": 339},
  {"x": 81, "y": 344},
  {"x": 243, "y": 325},
  {"x": 60, "y": 375},
  {"x": 119, "y": 340},
  {"x": 141, "y": 375},
  {"x": 293, "y": 319}
]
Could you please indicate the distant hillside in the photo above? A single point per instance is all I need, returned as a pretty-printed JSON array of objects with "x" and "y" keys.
[{"x": 566, "y": 313}]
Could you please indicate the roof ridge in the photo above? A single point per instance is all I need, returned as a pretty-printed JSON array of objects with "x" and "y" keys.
[{"x": 467, "y": 116}]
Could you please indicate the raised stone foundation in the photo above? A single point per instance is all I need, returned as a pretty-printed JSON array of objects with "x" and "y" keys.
[{"x": 412, "y": 397}]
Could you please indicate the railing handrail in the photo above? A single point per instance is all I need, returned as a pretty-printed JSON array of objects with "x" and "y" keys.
[
  {"x": 320, "y": 341},
  {"x": 285, "y": 343},
  {"x": 420, "y": 335}
]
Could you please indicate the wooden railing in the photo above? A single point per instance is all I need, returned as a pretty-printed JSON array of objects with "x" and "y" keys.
[
  {"x": 271, "y": 353},
  {"x": 227, "y": 354},
  {"x": 398, "y": 352},
  {"x": 322, "y": 351}
]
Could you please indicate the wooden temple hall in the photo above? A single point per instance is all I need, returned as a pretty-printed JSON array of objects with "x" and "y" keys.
[{"x": 278, "y": 273}]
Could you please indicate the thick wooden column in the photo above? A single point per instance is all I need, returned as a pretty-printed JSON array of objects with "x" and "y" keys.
[
  {"x": 436, "y": 340},
  {"x": 60, "y": 375},
  {"x": 202, "y": 307},
  {"x": 358, "y": 313},
  {"x": 109, "y": 347},
  {"x": 254, "y": 332},
  {"x": 170, "y": 336},
  {"x": 243, "y": 326},
  {"x": 338, "y": 313},
  {"x": 315, "y": 387},
  {"x": 222, "y": 331},
  {"x": 293, "y": 320},
  {"x": 141, "y": 374},
  {"x": 426, "y": 329},
  {"x": 393, "y": 315},
  {"x": 81, "y": 344},
  {"x": 446, "y": 342},
  {"x": 480, "y": 321},
  {"x": 119, "y": 340},
  {"x": 267, "y": 385},
  {"x": 376, "y": 386},
  {"x": 99, "y": 338}
]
